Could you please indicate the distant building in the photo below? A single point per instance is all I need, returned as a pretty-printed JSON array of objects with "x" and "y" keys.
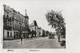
[
  {"x": 14, "y": 23},
  {"x": 39, "y": 31},
  {"x": 33, "y": 27}
]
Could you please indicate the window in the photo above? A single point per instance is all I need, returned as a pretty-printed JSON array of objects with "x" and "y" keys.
[
  {"x": 7, "y": 16},
  {"x": 10, "y": 19}
]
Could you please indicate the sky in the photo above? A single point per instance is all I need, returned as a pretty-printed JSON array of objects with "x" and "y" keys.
[{"x": 36, "y": 10}]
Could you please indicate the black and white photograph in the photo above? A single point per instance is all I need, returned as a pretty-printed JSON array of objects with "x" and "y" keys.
[{"x": 37, "y": 24}]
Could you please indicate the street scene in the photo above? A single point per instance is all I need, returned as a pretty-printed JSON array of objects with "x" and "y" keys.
[
  {"x": 42, "y": 42},
  {"x": 22, "y": 31}
]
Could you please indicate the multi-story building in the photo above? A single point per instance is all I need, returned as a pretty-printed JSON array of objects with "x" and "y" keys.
[
  {"x": 14, "y": 23},
  {"x": 39, "y": 31},
  {"x": 33, "y": 27}
]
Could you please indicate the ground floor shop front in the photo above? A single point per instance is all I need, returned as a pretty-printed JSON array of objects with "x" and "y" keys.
[{"x": 10, "y": 34}]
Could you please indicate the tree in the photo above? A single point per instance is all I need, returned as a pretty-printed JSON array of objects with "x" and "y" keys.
[{"x": 56, "y": 20}]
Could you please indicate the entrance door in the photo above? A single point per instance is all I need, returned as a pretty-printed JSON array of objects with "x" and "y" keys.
[{"x": 7, "y": 34}]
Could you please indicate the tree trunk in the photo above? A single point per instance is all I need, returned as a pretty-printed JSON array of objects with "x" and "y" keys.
[{"x": 58, "y": 38}]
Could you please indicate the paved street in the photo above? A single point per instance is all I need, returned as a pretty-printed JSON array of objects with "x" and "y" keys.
[{"x": 36, "y": 42}]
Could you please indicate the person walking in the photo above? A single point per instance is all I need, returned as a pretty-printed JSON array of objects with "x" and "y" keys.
[{"x": 21, "y": 38}]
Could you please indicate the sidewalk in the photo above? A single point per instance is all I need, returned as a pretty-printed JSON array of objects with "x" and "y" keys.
[{"x": 23, "y": 39}]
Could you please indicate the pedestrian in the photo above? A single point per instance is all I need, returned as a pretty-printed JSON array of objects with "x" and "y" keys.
[{"x": 21, "y": 38}]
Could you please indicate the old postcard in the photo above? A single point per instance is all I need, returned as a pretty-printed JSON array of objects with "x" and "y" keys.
[{"x": 34, "y": 25}]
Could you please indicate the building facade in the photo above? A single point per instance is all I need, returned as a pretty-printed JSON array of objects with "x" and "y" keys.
[
  {"x": 33, "y": 28},
  {"x": 39, "y": 31},
  {"x": 14, "y": 23}
]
